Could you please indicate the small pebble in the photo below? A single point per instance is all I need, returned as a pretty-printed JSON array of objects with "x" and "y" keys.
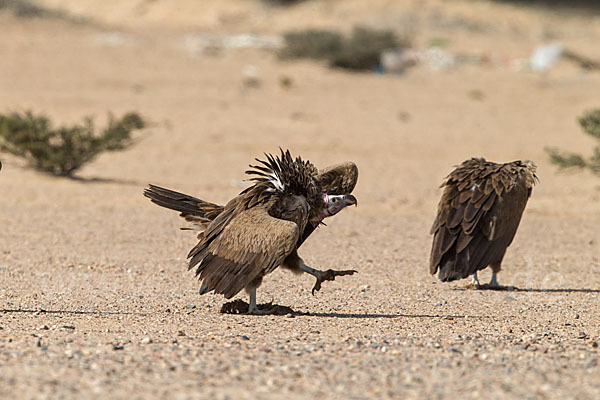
[
  {"x": 190, "y": 306},
  {"x": 146, "y": 340}
]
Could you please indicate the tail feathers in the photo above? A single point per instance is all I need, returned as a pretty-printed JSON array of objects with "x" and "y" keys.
[
  {"x": 188, "y": 206},
  {"x": 204, "y": 289},
  {"x": 454, "y": 267}
]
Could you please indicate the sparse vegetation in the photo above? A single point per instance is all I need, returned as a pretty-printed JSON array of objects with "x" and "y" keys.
[
  {"x": 62, "y": 151},
  {"x": 360, "y": 51},
  {"x": 590, "y": 123},
  {"x": 282, "y": 3},
  {"x": 311, "y": 43},
  {"x": 26, "y": 9}
]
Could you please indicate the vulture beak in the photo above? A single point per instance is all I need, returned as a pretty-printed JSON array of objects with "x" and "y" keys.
[
  {"x": 350, "y": 200},
  {"x": 336, "y": 203}
]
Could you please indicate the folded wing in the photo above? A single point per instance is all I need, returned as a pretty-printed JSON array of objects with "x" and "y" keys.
[
  {"x": 477, "y": 218},
  {"x": 240, "y": 246}
]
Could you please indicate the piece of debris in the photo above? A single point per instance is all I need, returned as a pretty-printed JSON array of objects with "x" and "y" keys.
[{"x": 545, "y": 56}]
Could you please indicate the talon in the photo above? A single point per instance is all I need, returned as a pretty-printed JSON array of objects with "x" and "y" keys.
[
  {"x": 330, "y": 275},
  {"x": 317, "y": 287}
]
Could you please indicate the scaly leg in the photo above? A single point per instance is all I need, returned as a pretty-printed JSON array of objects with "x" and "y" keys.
[
  {"x": 253, "y": 308},
  {"x": 494, "y": 281},
  {"x": 494, "y": 285},
  {"x": 475, "y": 281},
  {"x": 321, "y": 276}
]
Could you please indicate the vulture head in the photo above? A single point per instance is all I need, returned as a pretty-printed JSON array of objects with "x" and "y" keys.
[
  {"x": 284, "y": 175},
  {"x": 334, "y": 204},
  {"x": 526, "y": 173}
]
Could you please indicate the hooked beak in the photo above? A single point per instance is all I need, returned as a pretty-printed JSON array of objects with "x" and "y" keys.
[
  {"x": 336, "y": 203},
  {"x": 350, "y": 200}
]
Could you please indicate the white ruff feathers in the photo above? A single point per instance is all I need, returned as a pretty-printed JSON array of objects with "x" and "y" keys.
[{"x": 274, "y": 179}]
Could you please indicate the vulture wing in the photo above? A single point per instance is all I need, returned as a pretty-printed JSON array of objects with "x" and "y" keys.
[
  {"x": 477, "y": 218},
  {"x": 241, "y": 245},
  {"x": 335, "y": 179},
  {"x": 339, "y": 179}
]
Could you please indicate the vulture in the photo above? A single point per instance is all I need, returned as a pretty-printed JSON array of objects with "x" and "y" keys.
[
  {"x": 263, "y": 227},
  {"x": 477, "y": 217}
]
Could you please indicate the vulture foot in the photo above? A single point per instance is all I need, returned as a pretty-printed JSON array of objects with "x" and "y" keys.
[
  {"x": 474, "y": 283},
  {"x": 329, "y": 275}
]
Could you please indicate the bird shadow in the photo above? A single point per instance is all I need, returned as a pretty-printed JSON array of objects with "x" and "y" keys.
[
  {"x": 288, "y": 312},
  {"x": 74, "y": 312},
  {"x": 565, "y": 290},
  {"x": 525, "y": 290},
  {"x": 114, "y": 181},
  {"x": 389, "y": 316}
]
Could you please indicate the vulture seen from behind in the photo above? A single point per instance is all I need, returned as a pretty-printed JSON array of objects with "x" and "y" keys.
[
  {"x": 478, "y": 216},
  {"x": 262, "y": 228}
]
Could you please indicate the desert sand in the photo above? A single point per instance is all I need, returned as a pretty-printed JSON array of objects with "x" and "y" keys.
[{"x": 95, "y": 299}]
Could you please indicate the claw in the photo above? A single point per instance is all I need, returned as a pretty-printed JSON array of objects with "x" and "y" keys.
[{"x": 330, "y": 275}]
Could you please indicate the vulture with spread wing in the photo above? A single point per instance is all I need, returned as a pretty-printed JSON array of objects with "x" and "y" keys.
[
  {"x": 478, "y": 216},
  {"x": 262, "y": 228}
]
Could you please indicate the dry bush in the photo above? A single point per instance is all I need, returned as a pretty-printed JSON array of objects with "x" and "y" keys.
[
  {"x": 62, "y": 151},
  {"x": 360, "y": 51}
]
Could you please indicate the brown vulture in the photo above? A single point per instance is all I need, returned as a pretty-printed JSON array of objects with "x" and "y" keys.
[
  {"x": 262, "y": 228},
  {"x": 478, "y": 216}
]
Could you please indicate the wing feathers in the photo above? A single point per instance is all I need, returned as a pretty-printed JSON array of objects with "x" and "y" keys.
[
  {"x": 478, "y": 215},
  {"x": 250, "y": 245}
]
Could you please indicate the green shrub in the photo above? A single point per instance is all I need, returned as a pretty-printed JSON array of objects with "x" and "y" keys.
[
  {"x": 311, "y": 43},
  {"x": 590, "y": 123},
  {"x": 27, "y": 9},
  {"x": 361, "y": 51},
  {"x": 364, "y": 47},
  {"x": 62, "y": 151},
  {"x": 282, "y": 3}
]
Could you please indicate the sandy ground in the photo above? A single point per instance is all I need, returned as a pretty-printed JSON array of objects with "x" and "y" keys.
[{"x": 95, "y": 299}]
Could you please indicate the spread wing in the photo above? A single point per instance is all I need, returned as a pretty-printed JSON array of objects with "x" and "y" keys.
[
  {"x": 241, "y": 245},
  {"x": 477, "y": 218},
  {"x": 335, "y": 179},
  {"x": 339, "y": 178}
]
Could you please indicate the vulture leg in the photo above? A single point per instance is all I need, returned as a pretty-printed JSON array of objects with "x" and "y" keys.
[
  {"x": 475, "y": 281},
  {"x": 494, "y": 281},
  {"x": 321, "y": 276},
  {"x": 253, "y": 308}
]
